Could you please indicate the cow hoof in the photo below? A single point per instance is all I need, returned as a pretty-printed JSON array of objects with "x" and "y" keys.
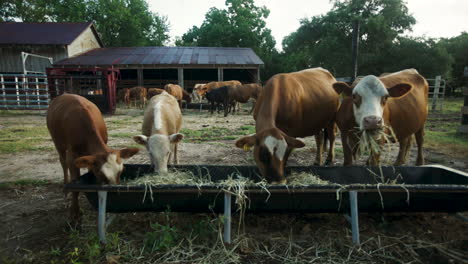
[{"x": 329, "y": 163}]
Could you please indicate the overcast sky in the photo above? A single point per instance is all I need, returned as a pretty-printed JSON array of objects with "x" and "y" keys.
[{"x": 434, "y": 18}]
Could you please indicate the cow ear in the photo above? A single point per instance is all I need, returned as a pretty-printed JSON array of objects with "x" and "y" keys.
[
  {"x": 399, "y": 90},
  {"x": 175, "y": 138},
  {"x": 342, "y": 87},
  {"x": 128, "y": 152},
  {"x": 141, "y": 139},
  {"x": 246, "y": 142},
  {"x": 294, "y": 142},
  {"x": 85, "y": 162}
]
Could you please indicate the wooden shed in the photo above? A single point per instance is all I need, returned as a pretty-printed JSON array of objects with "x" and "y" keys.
[
  {"x": 48, "y": 40},
  {"x": 157, "y": 66}
]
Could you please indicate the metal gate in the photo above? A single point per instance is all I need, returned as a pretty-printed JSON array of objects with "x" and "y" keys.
[
  {"x": 436, "y": 93},
  {"x": 24, "y": 91}
]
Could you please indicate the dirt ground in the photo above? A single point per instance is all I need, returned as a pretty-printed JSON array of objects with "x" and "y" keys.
[{"x": 34, "y": 216}]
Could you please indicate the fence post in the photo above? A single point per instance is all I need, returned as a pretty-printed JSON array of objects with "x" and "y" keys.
[
  {"x": 26, "y": 90},
  {"x": 435, "y": 96},
  {"x": 38, "y": 93},
  {"x": 17, "y": 90},
  {"x": 3, "y": 90}
]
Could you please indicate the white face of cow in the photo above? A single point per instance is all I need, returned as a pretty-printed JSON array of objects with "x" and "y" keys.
[
  {"x": 112, "y": 168},
  {"x": 369, "y": 97},
  {"x": 159, "y": 148}
]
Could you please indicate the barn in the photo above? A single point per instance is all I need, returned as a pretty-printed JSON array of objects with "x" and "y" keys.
[
  {"x": 27, "y": 47},
  {"x": 157, "y": 66}
]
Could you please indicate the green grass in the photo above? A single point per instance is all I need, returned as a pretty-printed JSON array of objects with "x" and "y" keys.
[
  {"x": 21, "y": 112},
  {"x": 122, "y": 135},
  {"x": 452, "y": 105},
  {"x": 23, "y": 138},
  {"x": 216, "y": 133},
  {"x": 33, "y": 182}
]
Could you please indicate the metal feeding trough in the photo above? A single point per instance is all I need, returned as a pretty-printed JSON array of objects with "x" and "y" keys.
[{"x": 351, "y": 189}]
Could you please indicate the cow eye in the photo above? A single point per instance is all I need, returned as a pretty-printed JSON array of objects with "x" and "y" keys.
[
  {"x": 357, "y": 100},
  {"x": 383, "y": 101}
]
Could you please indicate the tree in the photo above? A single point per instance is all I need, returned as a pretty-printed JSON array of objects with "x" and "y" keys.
[
  {"x": 120, "y": 22},
  {"x": 326, "y": 40},
  {"x": 242, "y": 24},
  {"x": 457, "y": 47}
]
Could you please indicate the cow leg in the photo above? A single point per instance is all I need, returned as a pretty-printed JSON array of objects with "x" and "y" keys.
[
  {"x": 176, "y": 159},
  {"x": 347, "y": 149},
  {"x": 75, "y": 212},
  {"x": 420, "y": 142},
  {"x": 253, "y": 107},
  {"x": 286, "y": 155},
  {"x": 405, "y": 145},
  {"x": 318, "y": 153},
  {"x": 331, "y": 150},
  {"x": 212, "y": 107}
]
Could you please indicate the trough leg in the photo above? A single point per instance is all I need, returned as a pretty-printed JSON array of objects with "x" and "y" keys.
[
  {"x": 102, "y": 216},
  {"x": 353, "y": 200},
  {"x": 227, "y": 218}
]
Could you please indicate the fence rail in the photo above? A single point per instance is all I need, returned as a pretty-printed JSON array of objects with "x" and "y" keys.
[{"x": 24, "y": 91}]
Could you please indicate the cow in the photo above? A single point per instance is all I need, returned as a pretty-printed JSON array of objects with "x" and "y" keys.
[
  {"x": 297, "y": 104},
  {"x": 176, "y": 91},
  {"x": 160, "y": 130},
  {"x": 242, "y": 93},
  {"x": 153, "y": 91},
  {"x": 219, "y": 96},
  {"x": 137, "y": 93},
  {"x": 195, "y": 95},
  {"x": 80, "y": 138},
  {"x": 123, "y": 95},
  {"x": 186, "y": 97},
  {"x": 398, "y": 100},
  {"x": 213, "y": 85}
]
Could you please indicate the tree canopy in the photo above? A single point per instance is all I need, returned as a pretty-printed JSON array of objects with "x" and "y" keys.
[{"x": 119, "y": 22}]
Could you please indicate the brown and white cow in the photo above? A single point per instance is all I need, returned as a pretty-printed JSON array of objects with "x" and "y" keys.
[
  {"x": 153, "y": 91},
  {"x": 123, "y": 95},
  {"x": 137, "y": 93},
  {"x": 160, "y": 130},
  {"x": 398, "y": 100},
  {"x": 80, "y": 137},
  {"x": 291, "y": 105},
  {"x": 195, "y": 95}
]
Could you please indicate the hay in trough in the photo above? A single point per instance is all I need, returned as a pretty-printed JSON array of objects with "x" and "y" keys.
[{"x": 305, "y": 179}]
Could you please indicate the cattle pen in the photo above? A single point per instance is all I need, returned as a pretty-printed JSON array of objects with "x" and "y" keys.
[{"x": 349, "y": 190}]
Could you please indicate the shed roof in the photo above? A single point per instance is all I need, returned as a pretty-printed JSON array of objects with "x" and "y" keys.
[
  {"x": 47, "y": 33},
  {"x": 165, "y": 56}
]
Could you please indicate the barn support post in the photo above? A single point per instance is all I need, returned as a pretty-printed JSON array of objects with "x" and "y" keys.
[
  {"x": 258, "y": 75},
  {"x": 3, "y": 90},
  {"x": 220, "y": 75},
  {"x": 227, "y": 218},
  {"x": 140, "y": 77},
  {"x": 38, "y": 92},
  {"x": 353, "y": 201},
  {"x": 17, "y": 90},
  {"x": 435, "y": 96},
  {"x": 180, "y": 76},
  {"x": 102, "y": 195}
]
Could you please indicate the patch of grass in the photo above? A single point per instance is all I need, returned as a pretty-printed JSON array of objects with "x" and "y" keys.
[
  {"x": 21, "y": 112},
  {"x": 122, "y": 135},
  {"x": 452, "y": 105},
  {"x": 448, "y": 142},
  {"x": 216, "y": 133},
  {"x": 24, "y": 182},
  {"x": 23, "y": 138}
]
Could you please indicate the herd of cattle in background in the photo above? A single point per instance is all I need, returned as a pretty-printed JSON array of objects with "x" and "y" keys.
[
  {"x": 290, "y": 106},
  {"x": 226, "y": 95}
]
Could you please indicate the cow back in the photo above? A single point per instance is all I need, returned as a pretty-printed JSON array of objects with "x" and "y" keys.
[
  {"x": 75, "y": 122},
  {"x": 174, "y": 90},
  {"x": 300, "y": 103},
  {"x": 162, "y": 116}
]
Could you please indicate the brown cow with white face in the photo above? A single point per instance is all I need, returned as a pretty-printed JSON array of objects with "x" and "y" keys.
[
  {"x": 291, "y": 105},
  {"x": 80, "y": 137},
  {"x": 398, "y": 100},
  {"x": 161, "y": 125}
]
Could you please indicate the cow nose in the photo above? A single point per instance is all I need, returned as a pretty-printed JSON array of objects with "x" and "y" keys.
[{"x": 372, "y": 122}]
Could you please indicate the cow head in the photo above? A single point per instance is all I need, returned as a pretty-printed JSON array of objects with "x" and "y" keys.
[
  {"x": 159, "y": 148},
  {"x": 369, "y": 99},
  {"x": 107, "y": 167},
  {"x": 271, "y": 148}
]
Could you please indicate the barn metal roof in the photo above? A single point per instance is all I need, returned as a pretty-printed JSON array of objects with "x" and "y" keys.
[
  {"x": 165, "y": 56},
  {"x": 47, "y": 33}
]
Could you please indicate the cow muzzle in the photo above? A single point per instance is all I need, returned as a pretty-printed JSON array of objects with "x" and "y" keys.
[{"x": 372, "y": 122}]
